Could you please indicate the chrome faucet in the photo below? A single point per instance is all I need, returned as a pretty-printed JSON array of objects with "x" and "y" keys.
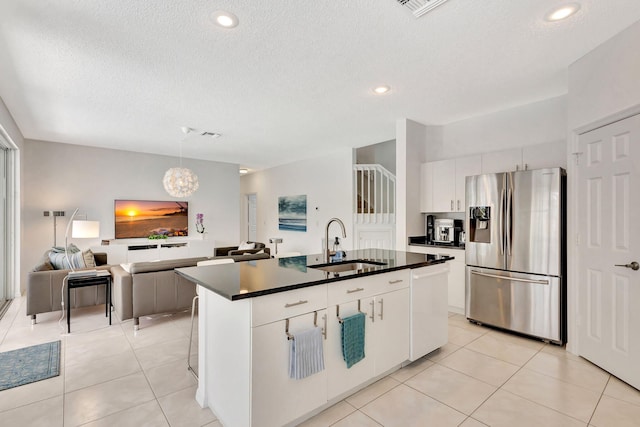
[{"x": 327, "y": 252}]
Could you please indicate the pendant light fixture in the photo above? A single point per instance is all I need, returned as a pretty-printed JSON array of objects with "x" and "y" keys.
[{"x": 180, "y": 182}]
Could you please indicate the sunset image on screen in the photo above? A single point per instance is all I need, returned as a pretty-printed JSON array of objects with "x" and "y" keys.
[{"x": 142, "y": 218}]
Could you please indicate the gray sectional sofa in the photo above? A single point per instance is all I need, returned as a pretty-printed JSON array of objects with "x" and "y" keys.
[
  {"x": 44, "y": 290},
  {"x": 143, "y": 289},
  {"x": 235, "y": 251},
  {"x": 147, "y": 288}
]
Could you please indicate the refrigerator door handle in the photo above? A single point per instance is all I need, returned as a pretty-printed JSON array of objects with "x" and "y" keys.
[
  {"x": 501, "y": 226},
  {"x": 511, "y": 279},
  {"x": 509, "y": 220}
]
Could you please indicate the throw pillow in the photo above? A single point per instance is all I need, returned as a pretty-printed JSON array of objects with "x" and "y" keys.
[
  {"x": 89, "y": 259},
  {"x": 71, "y": 249},
  {"x": 44, "y": 264},
  {"x": 246, "y": 245},
  {"x": 126, "y": 267},
  {"x": 59, "y": 261}
]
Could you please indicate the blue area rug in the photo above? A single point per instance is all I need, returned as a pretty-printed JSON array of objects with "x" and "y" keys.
[{"x": 29, "y": 364}]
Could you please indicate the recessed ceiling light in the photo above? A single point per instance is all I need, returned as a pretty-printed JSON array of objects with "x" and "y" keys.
[
  {"x": 224, "y": 19},
  {"x": 381, "y": 89},
  {"x": 562, "y": 12},
  {"x": 244, "y": 171}
]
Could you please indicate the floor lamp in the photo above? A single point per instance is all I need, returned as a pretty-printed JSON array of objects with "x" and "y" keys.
[{"x": 80, "y": 229}]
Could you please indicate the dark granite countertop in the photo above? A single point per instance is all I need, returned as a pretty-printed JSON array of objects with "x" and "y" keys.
[
  {"x": 422, "y": 241},
  {"x": 248, "y": 279}
]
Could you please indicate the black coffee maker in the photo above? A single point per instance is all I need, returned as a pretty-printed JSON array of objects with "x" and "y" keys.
[{"x": 430, "y": 229}]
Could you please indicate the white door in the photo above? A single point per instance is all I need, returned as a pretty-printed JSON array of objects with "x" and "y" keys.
[
  {"x": 252, "y": 217},
  {"x": 608, "y": 295},
  {"x": 378, "y": 236}
]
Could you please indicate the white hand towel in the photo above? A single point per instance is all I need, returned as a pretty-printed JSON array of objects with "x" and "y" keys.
[{"x": 306, "y": 356}]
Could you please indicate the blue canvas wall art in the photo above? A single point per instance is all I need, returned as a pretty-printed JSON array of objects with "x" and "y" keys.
[{"x": 292, "y": 213}]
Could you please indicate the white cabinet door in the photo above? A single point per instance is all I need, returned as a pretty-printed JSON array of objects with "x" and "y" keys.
[
  {"x": 277, "y": 399},
  {"x": 550, "y": 155},
  {"x": 173, "y": 252},
  {"x": 426, "y": 185},
  {"x": 456, "y": 286},
  {"x": 502, "y": 161},
  {"x": 444, "y": 185},
  {"x": 465, "y": 166},
  {"x": 456, "y": 281},
  {"x": 390, "y": 326},
  {"x": 143, "y": 255},
  {"x": 340, "y": 378}
]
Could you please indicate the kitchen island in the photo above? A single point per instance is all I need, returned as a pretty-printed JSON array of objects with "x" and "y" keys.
[{"x": 249, "y": 310}]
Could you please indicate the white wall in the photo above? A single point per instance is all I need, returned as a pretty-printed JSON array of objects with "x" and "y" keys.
[
  {"x": 606, "y": 80},
  {"x": 383, "y": 153},
  {"x": 531, "y": 124},
  {"x": 327, "y": 182},
  {"x": 410, "y": 153},
  {"x": 64, "y": 177},
  {"x": 602, "y": 83}
]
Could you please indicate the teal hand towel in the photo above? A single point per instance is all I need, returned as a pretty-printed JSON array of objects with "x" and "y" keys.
[
  {"x": 306, "y": 356},
  {"x": 352, "y": 335}
]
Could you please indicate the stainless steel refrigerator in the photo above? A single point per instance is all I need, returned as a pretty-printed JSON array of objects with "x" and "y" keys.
[{"x": 516, "y": 250}]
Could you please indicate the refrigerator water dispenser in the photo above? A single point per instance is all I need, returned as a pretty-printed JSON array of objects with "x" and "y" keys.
[{"x": 479, "y": 224}]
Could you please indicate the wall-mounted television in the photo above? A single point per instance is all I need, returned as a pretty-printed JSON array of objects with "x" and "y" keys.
[{"x": 142, "y": 218}]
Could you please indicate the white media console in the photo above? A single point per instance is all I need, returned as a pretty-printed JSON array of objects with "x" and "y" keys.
[{"x": 139, "y": 250}]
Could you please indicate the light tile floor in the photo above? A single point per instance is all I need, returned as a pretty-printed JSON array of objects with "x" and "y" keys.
[{"x": 113, "y": 376}]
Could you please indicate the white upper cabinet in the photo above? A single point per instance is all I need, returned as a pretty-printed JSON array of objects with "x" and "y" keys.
[
  {"x": 442, "y": 185},
  {"x": 502, "y": 161},
  {"x": 550, "y": 155},
  {"x": 465, "y": 166}
]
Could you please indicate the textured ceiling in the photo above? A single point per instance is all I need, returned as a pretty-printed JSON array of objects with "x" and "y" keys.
[{"x": 292, "y": 81}]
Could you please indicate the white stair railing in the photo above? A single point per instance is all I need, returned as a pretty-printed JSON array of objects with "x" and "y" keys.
[{"x": 374, "y": 195}]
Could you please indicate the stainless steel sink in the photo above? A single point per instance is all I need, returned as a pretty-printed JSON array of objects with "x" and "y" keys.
[{"x": 339, "y": 267}]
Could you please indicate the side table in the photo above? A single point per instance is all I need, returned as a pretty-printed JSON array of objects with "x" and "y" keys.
[{"x": 101, "y": 277}]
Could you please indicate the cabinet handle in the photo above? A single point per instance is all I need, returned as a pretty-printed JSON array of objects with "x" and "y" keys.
[
  {"x": 393, "y": 282},
  {"x": 452, "y": 205},
  {"x": 293, "y": 304},
  {"x": 381, "y": 308},
  {"x": 324, "y": 330},
  {"x": 373, "y": 311},
  {"x": 350, "y": 291},
  {"x": 458, "y": 204}
]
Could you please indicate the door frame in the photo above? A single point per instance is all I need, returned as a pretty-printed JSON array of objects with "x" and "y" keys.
[
  {"x": 244, "y": 215},
  {"x": 13, "y": 212},
  {"x": 573, "y": 262}
]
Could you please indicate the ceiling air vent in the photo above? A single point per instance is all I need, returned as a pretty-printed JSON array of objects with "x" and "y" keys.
[{"x": 420, "y": 7}]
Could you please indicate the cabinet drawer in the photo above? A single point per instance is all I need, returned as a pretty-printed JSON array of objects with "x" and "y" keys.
[
  {"x": 362, "y": 287},
  {"x": 270, "y": 308}
]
